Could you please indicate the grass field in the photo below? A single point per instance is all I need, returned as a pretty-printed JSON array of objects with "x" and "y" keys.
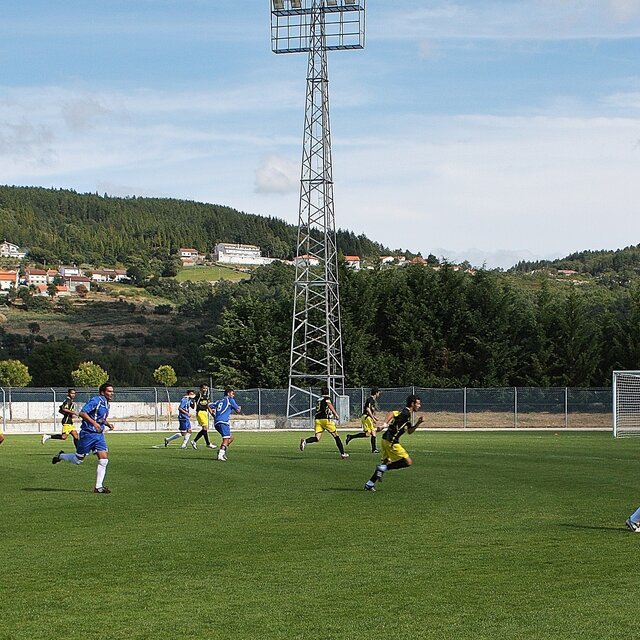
[
  {"x": 487, "y": 536},
  {"x": 210, "y": 274}
]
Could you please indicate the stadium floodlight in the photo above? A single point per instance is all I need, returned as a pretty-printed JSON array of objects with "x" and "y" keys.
[
  {"x": 316, "y": 360},
  {"x": 626, "y": 403},
  {"x": 343, "y": 24}
]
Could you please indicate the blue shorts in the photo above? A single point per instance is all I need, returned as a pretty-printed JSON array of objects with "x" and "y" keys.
[
  {"x": 223, "y": 428},
  {"x": 90, "y": 441},
  {"x": 184, "y": 426}
]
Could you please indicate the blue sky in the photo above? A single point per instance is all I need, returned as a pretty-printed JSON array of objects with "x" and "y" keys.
[{"x": 488, "y": 130}]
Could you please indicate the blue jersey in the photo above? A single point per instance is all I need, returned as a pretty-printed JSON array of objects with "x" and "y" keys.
[
  {"x": 98, "y": 409},
  {"x": 185, "y": 404},
  {"x": 223, "y": 408}
]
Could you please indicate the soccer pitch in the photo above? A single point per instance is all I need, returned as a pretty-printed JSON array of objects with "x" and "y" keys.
[{"x": 488, "y": 535}]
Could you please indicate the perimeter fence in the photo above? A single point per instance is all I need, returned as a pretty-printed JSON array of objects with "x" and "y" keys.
[{"x": 32, "y": 410}]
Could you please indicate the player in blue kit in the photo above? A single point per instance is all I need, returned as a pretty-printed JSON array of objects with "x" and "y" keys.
[
  {"x": 221, "y": 412},
  {"x": 184, "y": 421},
  {"x": 94, "y": 416}
]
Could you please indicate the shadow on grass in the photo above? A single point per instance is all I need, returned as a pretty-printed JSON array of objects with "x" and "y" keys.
[
  {"x": 49, "y": 489},
  {"x": 343, "y": 489},
  {"x": 621, "y": 529}
]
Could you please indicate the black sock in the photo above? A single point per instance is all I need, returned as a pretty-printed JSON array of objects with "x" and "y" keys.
[
  {"x": 339, "y": 445},
  {"x": 76, "y": 442},
  {"x": 198, "y": 436},
  {"x": 57, "y": 436},
  {"x": 398, "y": 464},
  {"x": 374, "y": 477},
  {"x": 205, "y": 435},
  {"x": 373, "y": 444},
  {"x": 311, "y": 439},
  {"x": 362, "y": 434}
]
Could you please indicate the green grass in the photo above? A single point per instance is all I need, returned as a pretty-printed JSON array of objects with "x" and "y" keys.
[
  {"x": 210, "y": 274},
  {"x": 487, "y": 536}
]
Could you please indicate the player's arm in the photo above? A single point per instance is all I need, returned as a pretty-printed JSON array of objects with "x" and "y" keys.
[
  {"x": 235, "y": 406},
  {"x": 371, "y": 413},
  {"x": 85, "y": 416},
  {"x": 184, "y": 411},
  {"x": 332, "y": 409},
  {"x": 387, "y": 420},
  {"x": 68, "y": 410},
  {"x": 412, "y": 428}
]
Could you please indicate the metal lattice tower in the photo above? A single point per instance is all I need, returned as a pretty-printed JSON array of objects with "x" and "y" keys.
[{"x": 315, "y": 27}]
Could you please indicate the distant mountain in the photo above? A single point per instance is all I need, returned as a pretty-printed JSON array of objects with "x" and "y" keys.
[
  {"x": 59, "y": 225},
  {"x": 596, "y": 263}
]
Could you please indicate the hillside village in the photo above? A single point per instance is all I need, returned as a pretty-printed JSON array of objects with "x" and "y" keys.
[{"x": 68, "y": 280}]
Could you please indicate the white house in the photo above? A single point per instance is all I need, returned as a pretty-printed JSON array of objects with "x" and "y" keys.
[
  {"x": 10, "y": 250},
  {"x": 190, "y": 257},
  {"x": 69, "y": 270},
  {"x": 353, "y": 262},
  {"x": 227, "y": 253},
  {"x": 73, "y": 282},
  {"x": 108, "y": 275},
  {"x": 35, "y": 277},
  {"x": 306, "y": 260},
  {"x": 8, "y": 280}
]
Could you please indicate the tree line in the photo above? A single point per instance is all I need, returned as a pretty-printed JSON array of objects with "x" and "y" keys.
[{"x": 58, "y": 225}]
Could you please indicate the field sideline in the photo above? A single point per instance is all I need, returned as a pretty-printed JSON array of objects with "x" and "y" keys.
[{"x": 487, "y": 536}]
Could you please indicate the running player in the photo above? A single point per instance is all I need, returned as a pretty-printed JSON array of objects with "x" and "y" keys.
[
  {"x": 68, "y": 411},
  {"x": 184, "y": 421},
  {"x": 325, "y": 412},
  {"x": 202, "y": 414},
  {"x": 394, "y": 455},
  {"x": 94, "y": 416},
  {"x": 221, "y": 411},
  {"x": 368, "y": 420}
]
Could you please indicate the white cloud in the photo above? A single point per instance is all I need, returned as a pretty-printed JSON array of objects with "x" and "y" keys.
[
  {"x": 277, "y": 175},
  {"x": 528, "y": 19},
  {"x": 541, "y": 183}
]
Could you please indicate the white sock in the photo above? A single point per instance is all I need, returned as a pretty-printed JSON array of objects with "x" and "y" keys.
[
  {"x": 186, "y": 440},
  {"x": 173, "y": 437},
  {"x": 71, "y": 457},
  {"x": 635, "y": 516},
  {"x": 101, "y": 471}
]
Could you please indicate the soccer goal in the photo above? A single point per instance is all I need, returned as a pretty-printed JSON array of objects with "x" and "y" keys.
[{"x": 626, "y": 403}]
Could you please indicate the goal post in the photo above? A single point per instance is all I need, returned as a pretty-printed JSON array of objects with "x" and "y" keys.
[{"x": 626, "y": 403}]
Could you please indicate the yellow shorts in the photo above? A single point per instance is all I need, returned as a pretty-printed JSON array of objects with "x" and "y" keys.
[
  {"x": 203, "y": 418},
  {"x": 367, "y": 425},
  {"x": 324, "y": 425},
  {"x": 393, "y": 452},
  {"x": 68, "y": 428}
]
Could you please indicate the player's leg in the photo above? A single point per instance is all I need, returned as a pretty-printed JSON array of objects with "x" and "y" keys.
[
  {"x": 175, "y": 436},
  {"x": 633, "y": 521},
  {"x": 73, "y": 458},
  {"x": 101, "y": 471},
  {"x": 318, "y": 427},
  {"x": 355, "y": 436},
  {"x": 186, "y": 434},
  {"x": 338, "y": 441},
  {"x": 224, "y": 429}
]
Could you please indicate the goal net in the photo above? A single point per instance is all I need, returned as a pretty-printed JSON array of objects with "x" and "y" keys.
[{"x": 626, "y": 403}]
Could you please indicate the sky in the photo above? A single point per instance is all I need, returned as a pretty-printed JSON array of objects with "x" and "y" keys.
[{"x": 481, "y": 130}]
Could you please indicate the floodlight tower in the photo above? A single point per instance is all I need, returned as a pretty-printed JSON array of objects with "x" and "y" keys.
[{"x": 315, "y": 27}]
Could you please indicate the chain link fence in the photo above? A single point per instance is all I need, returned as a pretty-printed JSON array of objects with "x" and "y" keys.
[{"x": 30, "y": 410}]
